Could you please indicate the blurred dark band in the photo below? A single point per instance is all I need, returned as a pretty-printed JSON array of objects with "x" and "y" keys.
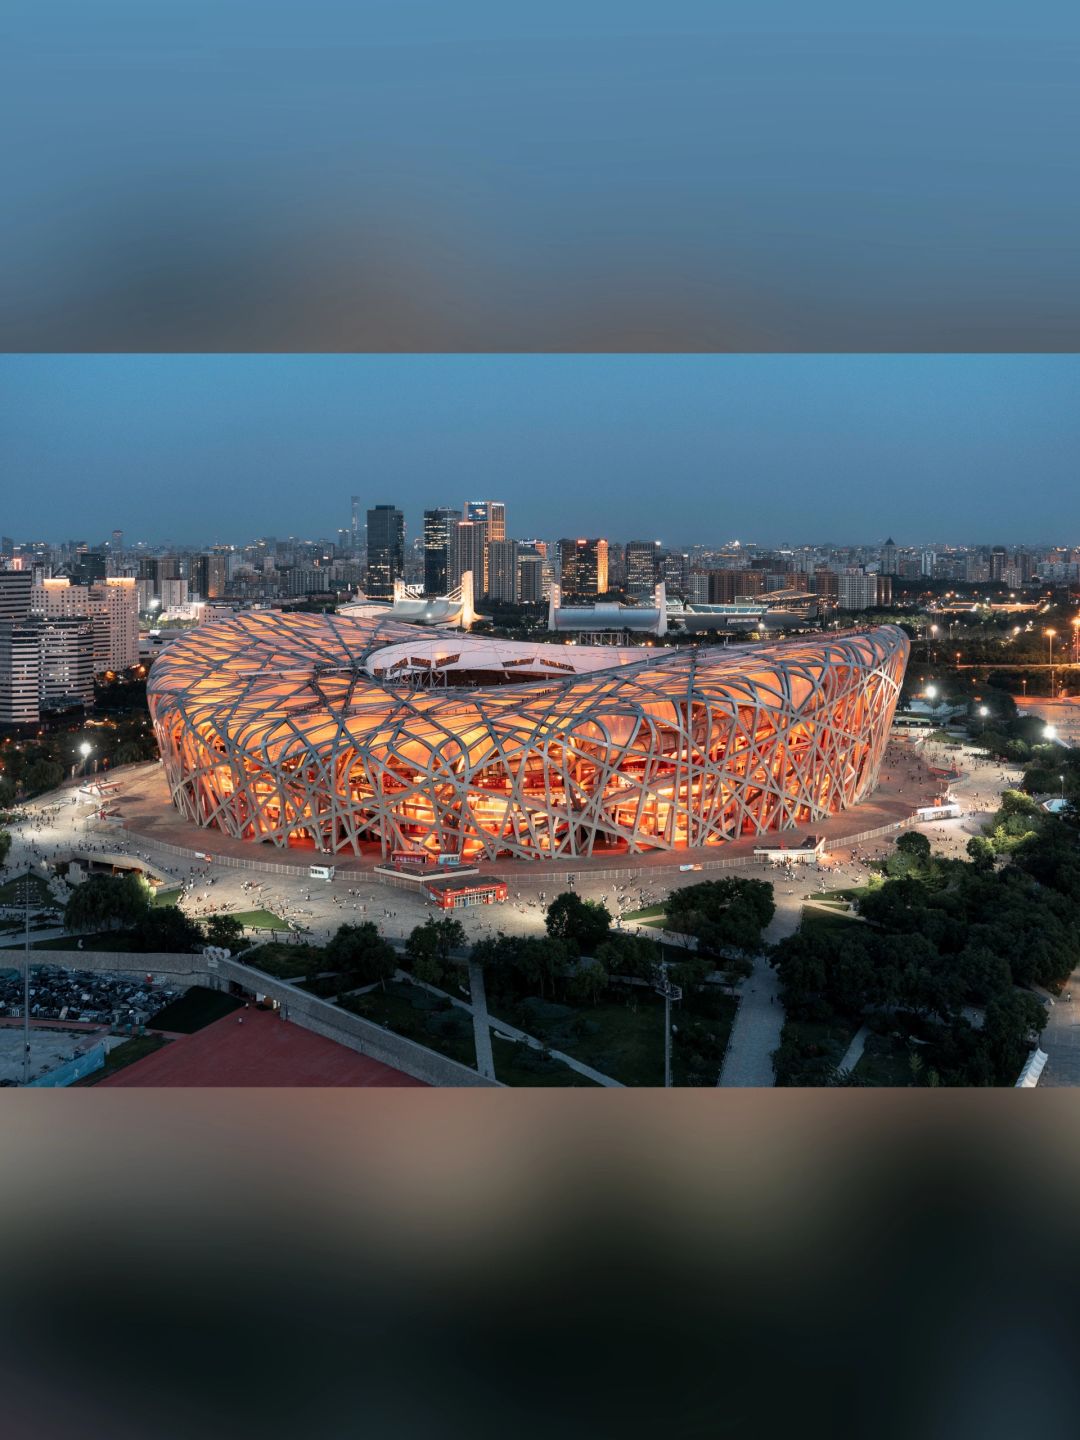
[
  {"x": 322, "y": 1264},
  {"x": 225, "y": 175}
]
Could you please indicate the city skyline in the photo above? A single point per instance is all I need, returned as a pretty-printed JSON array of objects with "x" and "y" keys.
[{"x": 770, "y": 449}]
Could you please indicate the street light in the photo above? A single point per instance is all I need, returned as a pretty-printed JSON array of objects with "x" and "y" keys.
[
  {"x": 84, "y": 751},
  {"x": 1050, "y": 639},
  {"x": 1050, "y": 733}
]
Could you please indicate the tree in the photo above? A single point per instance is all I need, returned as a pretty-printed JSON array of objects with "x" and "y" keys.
[
  {"x": 589, "y": 982},
  {"x": 42, "y": 775},
  {"x": 361, "y": 954},
  {"x": 5, "y": 846},
  {"x": 226, "y": 932},
  {"x": 583, "y": 924},
  {"x": 7, "y": 793},
  {"x": 107, "y": 902},
  {"x": 724, "y": 916},
  {"x": 429, "y": 946},
  {"x": 167, "y": 929},
  {"x": 980, "y": 852}
]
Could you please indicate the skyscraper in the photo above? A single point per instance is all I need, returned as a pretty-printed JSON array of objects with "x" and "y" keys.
[
  {"x": 583, "y": 567},
  {"x": 491, "y": 514},
  {"x": 385, "y": 550},
  {"x": 642, "y": 559},
  {"x": 502, "y": 568},
  {"x": 357, "y": 537},
  {"x": 467, "y": 546},
  {"x": 438, "y": 524}
]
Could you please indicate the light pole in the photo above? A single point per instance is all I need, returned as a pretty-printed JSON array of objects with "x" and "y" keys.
[
  {"x": 1050, "y": 638},
  {"x": 663, "y": 986},
  {"x": 84, "y": 751},
  {"x": 24, "y": 887}
]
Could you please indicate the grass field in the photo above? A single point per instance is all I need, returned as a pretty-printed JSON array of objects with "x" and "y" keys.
[
  {"x": 285, "y": 962},
  {"x": 885, "y": 1061},
  {"x": 195, "y": 1009},
  {"x": 166, "y": 897},
  {"x": 137, "y": 1048},
  {"x": 260, "y": 920}
]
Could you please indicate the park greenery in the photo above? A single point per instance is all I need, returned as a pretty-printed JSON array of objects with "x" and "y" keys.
[
  {"x": 942, "y": 957},
  {"x": 122, "y": 906}
]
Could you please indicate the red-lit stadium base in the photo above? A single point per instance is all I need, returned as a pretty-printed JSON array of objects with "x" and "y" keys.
[
  {"x": 262, "y": 1051},
  {"x": 146, "y": 812}
]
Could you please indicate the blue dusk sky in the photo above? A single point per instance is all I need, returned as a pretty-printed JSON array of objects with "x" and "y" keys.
[{"x": 200, "y": 449}]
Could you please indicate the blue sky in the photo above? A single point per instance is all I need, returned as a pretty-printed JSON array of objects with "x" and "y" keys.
[{"x": 197, "y": 449}]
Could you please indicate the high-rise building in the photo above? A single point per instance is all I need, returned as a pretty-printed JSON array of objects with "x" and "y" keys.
[
  {"x": 530, "y": 569},
  {"x": 437, "y": 527},
  {"x": 206, "y": 577},
  {"x": 115, "y": 602},
  {"x": 888, "y": 557},
  {"x": 675, "y": 572},
  {"x": 67, "y": 663},
  {"x": 502, "y": 569},
  {"x": 999, "y": 558},
  {"x": 385, "y": 550},
  {"x": 583, "y": 567},
  {"x": 467, "y": 546},
  {"x": 15, "y": 587},
  {"x": 355, "y": 527},
  {"x": 20, "y": 672},
  {"x": 642, "y": 568},
  {"x": 490, "y": 513}
]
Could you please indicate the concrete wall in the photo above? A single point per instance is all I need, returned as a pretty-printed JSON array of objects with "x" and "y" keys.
[{"x": 320, "y": 1016}]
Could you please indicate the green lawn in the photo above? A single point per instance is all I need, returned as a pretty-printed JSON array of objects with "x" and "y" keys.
[
  {"x": 855, "y": 893},
  {"x": 885, "y": 1061},
  {"x": 165, "y": 897},
  {"x": 259, "y": 919},
  {"x": 651, "y": 912},
  {"x": 415, "y": 1013},
  {"x": 137, "y": 1048},
  {"x": 622, "y": 1038},
  {"x": 824, "y": 919},
  {"x": 285, "y": 962},
  {"x": 195, "y": 1009},
  {"x": 519, "y": 1064}
]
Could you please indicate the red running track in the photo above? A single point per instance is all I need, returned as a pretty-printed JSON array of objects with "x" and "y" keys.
[{"x": 263, "y": 1050}]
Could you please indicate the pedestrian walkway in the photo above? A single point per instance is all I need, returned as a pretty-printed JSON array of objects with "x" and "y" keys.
[
  {"x": 853, "y": 1053},
  {"x": 485, "y": 1061},
  {"x": 760, "y": 1016}
]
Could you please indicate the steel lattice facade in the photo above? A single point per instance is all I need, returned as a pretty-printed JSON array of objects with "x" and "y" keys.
[{"x": 342, "y": 734}]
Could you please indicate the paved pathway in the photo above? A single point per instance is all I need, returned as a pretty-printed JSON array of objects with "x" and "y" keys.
[
  {"x": 760, "y": 1016},
  {"x": 853, "y": 1053},
  {"x": 485, "y": 1061},
  {"x": 1061, "y": 1038}
]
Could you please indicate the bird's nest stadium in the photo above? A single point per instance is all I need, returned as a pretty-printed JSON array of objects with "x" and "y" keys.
[{"x": 369, "y": 736}]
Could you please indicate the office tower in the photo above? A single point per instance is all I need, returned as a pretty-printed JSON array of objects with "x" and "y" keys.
[
  {"x": 727, "y": 586},
  {"x": 20, "y": 672},
  {"x": 856, "y": 590},
  {"x": 826, "y": 584},
  {"x": 699, "y": 586},
  {"x": 888, "y": 557},
  {"x": 437, "y": 527},
  {"x": 174, "y": 593},
  {"x": 117, "y": 542},
  {"x": 15, "y": 587},
  {"x": 502, "y": 569},
  {"x": 67, "y": 663},
  {"x": 884, "y": 590},
  {"x": 998, "y": 560},
  {"x": 583, "y": 567},
  {"x": 490, "y": 513},
  {"x": 206, "y": 579},
  {"x": 355, "y": 527},
  {"x": 530, "y": 570},
  {"x": 114, "y": 610},
  {"x": 385, "y": 550},
  {"x": 642, "y": 562},
  {"x": 675, "y": 572},
  {"x": 90, "y": 566},
  {"x": 57, "y": 598},
  {"x": 467, "y": 545}
]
